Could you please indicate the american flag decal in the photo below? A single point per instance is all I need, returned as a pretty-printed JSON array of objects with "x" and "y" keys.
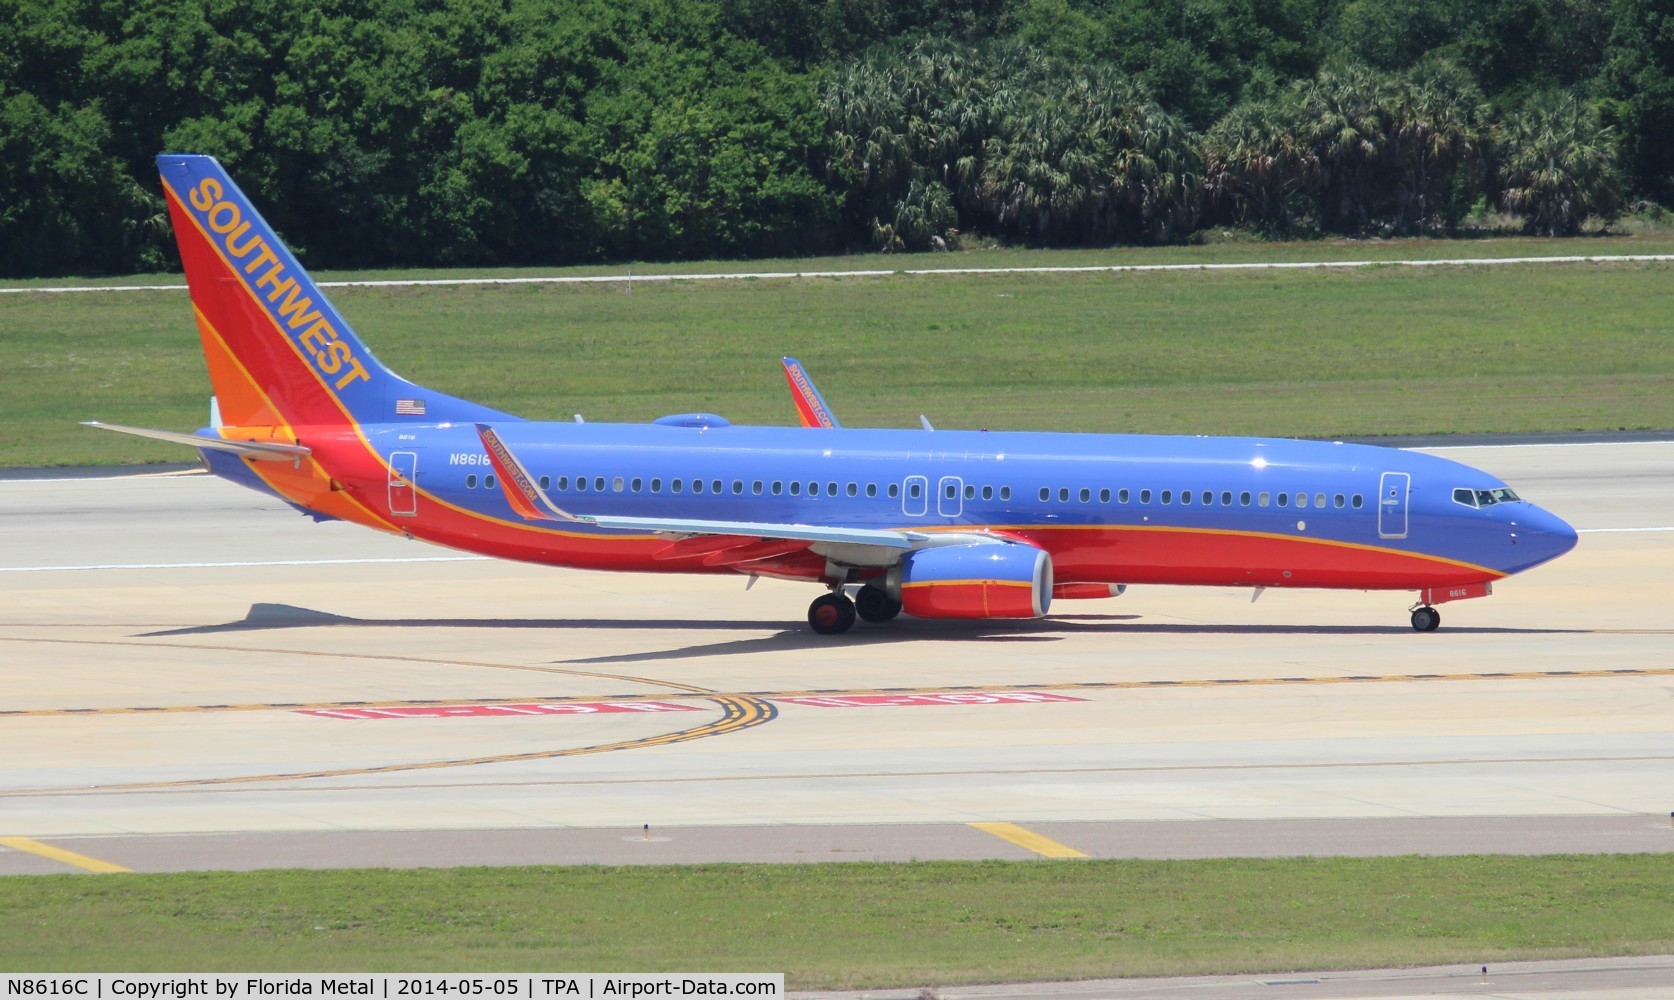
[{"x": 409, "y": 407}]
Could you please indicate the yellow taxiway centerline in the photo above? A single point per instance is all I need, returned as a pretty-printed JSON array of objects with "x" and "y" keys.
[
  {"x": 59, "y": 854},
  {"x": 1029, "y": 840}
]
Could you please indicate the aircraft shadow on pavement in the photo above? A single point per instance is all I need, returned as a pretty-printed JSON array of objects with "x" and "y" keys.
[{"x": 784, "y": 637}]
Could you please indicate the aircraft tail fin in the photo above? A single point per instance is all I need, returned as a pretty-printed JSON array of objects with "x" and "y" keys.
[{"x": 279, "y": 353}]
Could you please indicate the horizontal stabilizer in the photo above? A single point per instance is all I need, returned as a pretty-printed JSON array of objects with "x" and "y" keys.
[{"x": 261, "y": 451}]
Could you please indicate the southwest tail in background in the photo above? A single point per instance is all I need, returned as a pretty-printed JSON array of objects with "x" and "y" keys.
[{"x": 279, "y": 353}]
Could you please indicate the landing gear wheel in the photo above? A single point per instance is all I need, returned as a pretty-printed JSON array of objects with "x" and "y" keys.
[
  {"x": 832, "y": 614},
  {"x": 874, "y": 605},
  {"x": 1426, "y": 619}
]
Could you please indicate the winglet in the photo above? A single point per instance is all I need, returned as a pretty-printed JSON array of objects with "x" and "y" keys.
[
  {"x": 524, "y": 495},
  {"x": 810, "y": 405}
]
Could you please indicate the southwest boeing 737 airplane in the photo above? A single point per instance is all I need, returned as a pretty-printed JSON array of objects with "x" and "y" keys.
[{"x": 936, "y": 523}]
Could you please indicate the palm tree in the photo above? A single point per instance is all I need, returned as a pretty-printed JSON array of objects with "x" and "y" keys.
[
  {"x": 1560, "y": 165},
  {"x": 1440, "y": 127}
]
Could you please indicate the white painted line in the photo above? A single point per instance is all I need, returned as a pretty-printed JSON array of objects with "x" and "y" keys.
[
  {"x": 1609, "y": 531},
  {"x": 176, "y": 474},
  {"x": 589, "y": 279},
  {"x": 1535, "y": 444},
  {"x": 240, "y": 565}
]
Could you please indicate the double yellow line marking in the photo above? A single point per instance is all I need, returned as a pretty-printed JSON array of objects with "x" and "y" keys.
[{"x": 39, "y": 849}]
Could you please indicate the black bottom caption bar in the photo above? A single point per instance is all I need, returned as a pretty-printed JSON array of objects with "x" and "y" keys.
[{"x": 393, "y": 986}]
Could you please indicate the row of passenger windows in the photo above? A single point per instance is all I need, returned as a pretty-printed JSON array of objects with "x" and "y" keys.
[
  {"x": 757, "y": 487},
  {"x": 1206, "y": 498}
]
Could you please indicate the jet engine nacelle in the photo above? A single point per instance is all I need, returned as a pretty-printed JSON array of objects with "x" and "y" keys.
[{"x": 985, "y": 580}]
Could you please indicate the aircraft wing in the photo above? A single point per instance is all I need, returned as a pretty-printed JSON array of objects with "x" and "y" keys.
[
  {"x": 261, "y": 451},
  {"x": 810, "y": 405},
  {"x": 532, "y": 503}
]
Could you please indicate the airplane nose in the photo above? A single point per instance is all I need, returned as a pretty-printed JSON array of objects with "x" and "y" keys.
[{"x": 1542, "y": 536}]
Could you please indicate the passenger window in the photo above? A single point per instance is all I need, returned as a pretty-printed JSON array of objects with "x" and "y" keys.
[
  {"x": 988, "y": 492},
  {"x": 1104, "y": 496},
  {"x": 1319, "y": 499},
  {"x": 813, "y": 489},
  {"x": 1244, "y": 499},
  {"x": 656, "y": 486},
  {"x": 639, "y": 484},
  {"x": 1005, "y": 493},
  {"x": 1144, "y": 496},
  {"x": 674, "y": 486},
  {"x": 470, "y": 482},
  {"x": 697, "y": 486},
  {"x": 1121, "y": 496},
  {"x": 950, "y": 491},
  {"x": 1263, "y": 499},
  {"x": 1226, "y": 498},
  {"x": 1186, "y": 497},
  {"x": 488, "y": 481},
  {"x": 1063, "y": 494},
  {"x": 894, "y": 490},
  {"x": 796, "y": 488},
  {"x": 854, "y": 489},
  {"x": 546, "y": 484},
  {"x": 1045, "y": 494},
  {"x": 913, "y": 490},
  {"x": 737, "y": 487},
  {"x": 598, "y": 484},
  {"x": 563, "y": 482},
  {"x": 755, "y": 487},
  {"x": 1301, "y": 499},
  {"x": 1086, "y": 494},
  {"x": 970, "y": 492},
  {"x": 1338, "y": 500},
  {"x": 1167, "y": 497},
  {"x": 1284, "y": 499},
  {"x": 871, "y": 489},
  {"x": 830, "y": 489},
  {"x": 778, "y": 487},
  {"x": 1358, "y": 501}
]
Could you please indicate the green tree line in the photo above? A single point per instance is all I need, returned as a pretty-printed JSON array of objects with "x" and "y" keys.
[{"x": 421, "y": 132}]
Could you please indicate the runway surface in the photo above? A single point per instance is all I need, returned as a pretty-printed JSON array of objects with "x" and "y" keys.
[{"x": 193, "y": 676}]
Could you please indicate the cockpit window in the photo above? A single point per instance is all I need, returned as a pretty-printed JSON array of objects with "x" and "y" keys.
[{"x": 1485, "y": 498}]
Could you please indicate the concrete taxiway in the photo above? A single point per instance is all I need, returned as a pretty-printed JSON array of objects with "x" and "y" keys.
[{"x": 192, "y": 675}]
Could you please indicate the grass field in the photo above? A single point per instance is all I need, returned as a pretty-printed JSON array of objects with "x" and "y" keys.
[
  {"x": 854, "y": 925},
  {"x": 1288, "y": 353}
]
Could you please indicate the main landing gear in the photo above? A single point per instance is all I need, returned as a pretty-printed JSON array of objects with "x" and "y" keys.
[
  {"x": 874, "y": 605},
  {"x": 831, "y": 614},
  {"x": 834, "y": 613},
  {"x": 1425, "y": 618}
]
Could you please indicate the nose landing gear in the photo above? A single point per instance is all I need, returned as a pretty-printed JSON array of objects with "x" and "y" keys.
[{"x": 1425, "y": 618}]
